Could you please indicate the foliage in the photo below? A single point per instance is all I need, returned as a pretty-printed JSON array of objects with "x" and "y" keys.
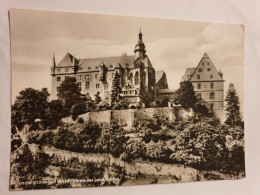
[
  {"x": 69, "y": 92},
  {"x": 54, "y": 113},
  {"x": 201, "y": 110},
  {"x": 146, "y": 95},
  {"x": 29, "y": 105},
  {"x": 185, "y": 95},
  {"x": 114, "y": 140},
  {"x": 232, "y": 108},
  {"x": 103, "y": 106},
  {"x": 77, "y": 109},
  {"x": 116, "y": 88},
  {"x": 121, "y": 104},
  {"x": 97, "y": 98}
]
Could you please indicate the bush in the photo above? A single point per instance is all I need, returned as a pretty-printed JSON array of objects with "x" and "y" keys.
[{"x": 78, "y": 109}]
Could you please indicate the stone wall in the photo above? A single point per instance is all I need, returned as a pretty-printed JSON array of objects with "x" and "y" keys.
[{"x": 128, "y": 117}]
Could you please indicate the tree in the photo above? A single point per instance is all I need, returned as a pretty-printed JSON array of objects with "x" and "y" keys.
[
  {"x": 185, "y": 95},
  {"x": 69, "y": 92},
  {"x": 77, "y": 109},
  {"x": 54, "y": 113},
  {"x": 116, "y": 88},
  {"x": 29, "y": 105},
  {"x": 146, "y": 95},
  {"x": 232, "y": 108}
]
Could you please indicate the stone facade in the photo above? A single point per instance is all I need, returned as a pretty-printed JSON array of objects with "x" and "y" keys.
[
  {"x": 95, "y": 75},
  {"x": 208, "y": 85}
]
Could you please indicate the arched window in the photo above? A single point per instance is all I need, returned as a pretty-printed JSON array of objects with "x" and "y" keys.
[
  {"x": 131, "y": 78},
  {"x": 136, "y": 78},
  {"x": 144, "y": 78}
]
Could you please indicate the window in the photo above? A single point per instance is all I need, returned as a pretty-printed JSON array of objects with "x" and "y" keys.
[
  {"x": 58, "y": 89},
  {"x": 58, "y": 70},
  {"x": 87, "y": 77},
  {"x": 199, "y": 86},
  {"x": 211, "y": 106},
  {"x": 89, "y": 67},
  {"x": 96, "y": 75},
  {"x": 79, "y": 86},
  {"x": 66, "y": 78},
  {"x": 112, "y": 75},
  {"x": 198, "y": 76},
  {"x": 212, "y": 95},
  {"x": 106, "y": 87},
  {"x": 211, "y": 76},
  {"x": 87, "y": 84},
  {"x": 198, "y": 96},
  {"x": 58, "y": 78},
  {"x": 208, "y": 69},
  {"x": 208, "y": 63},
  {"x": 111, "y": 66},
  {"x": 211, "y": 85},
  {"x": 80, "y": 77},
  {"x": 97, "y": 86},
  {"x": 136, "y": 78},
  {"x": 96, "y": 67},
  {"x": 200, "y": 69},
  {"x": 202, "y": 63},
  {"x": 66, "y": 70}
]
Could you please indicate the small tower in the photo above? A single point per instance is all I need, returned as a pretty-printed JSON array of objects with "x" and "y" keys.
[
  {"x": 140, "y": 47},
  {"x": 53, "y": 68},
  {"x": 102, "y": 72}
]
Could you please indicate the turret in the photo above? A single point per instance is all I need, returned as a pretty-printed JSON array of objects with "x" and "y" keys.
[
  {"x": 102, "y": 77},
  {"x": 140, "y": 47},
  {"x": 53, "y": 67}
]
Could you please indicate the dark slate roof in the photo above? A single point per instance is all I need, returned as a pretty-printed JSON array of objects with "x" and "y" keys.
[
  {"x": 67, "y": 60},
  {"x": 111, "y": 63},
  {"x": 167, "y": 90},
  {"x": 158, "y": 75},
  {"x": 189, "y": 71}
]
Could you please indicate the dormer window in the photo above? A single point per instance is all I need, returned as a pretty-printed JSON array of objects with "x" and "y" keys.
[{"x": 111, "y": 66}]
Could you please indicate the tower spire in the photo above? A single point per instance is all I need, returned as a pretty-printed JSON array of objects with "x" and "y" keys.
[
  {"x": 53, "y": 60},
  {"x": 140, "y": 47}
]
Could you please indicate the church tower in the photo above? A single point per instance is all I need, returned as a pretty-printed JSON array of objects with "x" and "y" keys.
[{"x": 140, "y": 47}]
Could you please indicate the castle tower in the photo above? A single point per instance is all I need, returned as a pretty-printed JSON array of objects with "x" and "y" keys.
[{"x": 140, "y": 47}]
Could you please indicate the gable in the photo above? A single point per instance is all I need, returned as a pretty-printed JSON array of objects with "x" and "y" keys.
[{"x": 206, "y": 71}]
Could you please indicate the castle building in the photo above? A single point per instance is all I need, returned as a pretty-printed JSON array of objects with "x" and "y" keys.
[
  {"x": 95, "y": 75},
  {"x": 208, "y": 85}
]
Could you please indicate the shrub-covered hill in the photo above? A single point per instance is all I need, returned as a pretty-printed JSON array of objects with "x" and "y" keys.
[{"x": 204, "y": 144}]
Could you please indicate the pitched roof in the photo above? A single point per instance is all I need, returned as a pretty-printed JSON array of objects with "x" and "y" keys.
[
  {"x": 189, "y": 72},
  {"x": 158, "y": 75},
  {"x": 67, "y": 60},
  {"x": 206, "y": 70},
  {"x": 111, "y": 63},
  {"x": 167, "y": 90}
]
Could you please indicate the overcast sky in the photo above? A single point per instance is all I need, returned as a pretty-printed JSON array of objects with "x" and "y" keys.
[{"x": 171, "y": 45}]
